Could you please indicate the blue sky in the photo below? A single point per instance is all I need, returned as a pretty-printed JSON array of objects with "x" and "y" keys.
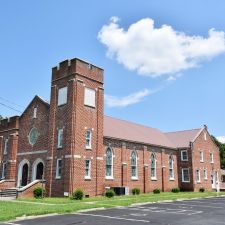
[{"x": 172, "y": 80}]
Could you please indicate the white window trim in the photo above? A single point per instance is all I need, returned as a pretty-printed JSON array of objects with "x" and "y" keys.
[
  {"x": 57, "y": 176},
  {"x": 182, "y": 159},
  {"x": 198, "y": 180},
  {"x": 60, "y": 132},
  {"x": 35, "y": 113},
  {"x": 211, "y": 158},
  {"x": 88, "y": 147},
  {"x": 62, "y": 101},
  {"x": 89, "y": 169},
  {"x": 4, "y": 164},
  {"x": 205, "y": 136},
  {"x": 134, "y": 177},
  {"x": 201, "y": 154},
  {"x": 110, "y": 177},
  {"x": 171, "y": 178},
  {"x": 88, "y": 102},
  {"x": 182, "y": 171},
  {"x": 154, "y": 177},
  {"x": 205, "y": 174},
  {"x": 6, "y": 145}
]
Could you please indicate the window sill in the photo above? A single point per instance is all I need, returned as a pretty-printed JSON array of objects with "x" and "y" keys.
[
  {"x": 61, "y": 105},
  {"x": 59, "y": 148},
  {"x": 201, "y": 161},
  {"x": 88, "y": 148},
  {"x": 87, "y": 178},
  {"x": 90, "y": 106},
  {"x": 58, "y": 178},
  {"x": 134, "y": 178},
  {"x": 153, "y": 178},
  {"x": 185, "y": 181},
  {"x": 199, "y": 182},
  {"x": 184, "y": 160},
  {"x": 109, "y": 178},
  {"x": 172, "y": 179}
]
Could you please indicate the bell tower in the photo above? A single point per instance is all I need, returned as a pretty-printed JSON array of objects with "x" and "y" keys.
[{"x": 75, "y": 156}]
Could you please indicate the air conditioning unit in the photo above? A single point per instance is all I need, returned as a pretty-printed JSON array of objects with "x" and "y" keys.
[{"x": 120, "y": 190}]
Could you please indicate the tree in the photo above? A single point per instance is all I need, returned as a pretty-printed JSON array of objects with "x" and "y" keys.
[
  {"x": 222, "y": 151},
  {"x": 1, "y": 117}
]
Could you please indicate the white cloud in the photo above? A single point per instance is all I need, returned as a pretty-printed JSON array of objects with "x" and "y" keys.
[
  {"x": 221, "y": 139},
  {"x": 155, "y": 51},
  {"x": 113, "y": 101}
]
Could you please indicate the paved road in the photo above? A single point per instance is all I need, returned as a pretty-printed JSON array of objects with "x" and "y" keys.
[{"x": 210, "y": 211}]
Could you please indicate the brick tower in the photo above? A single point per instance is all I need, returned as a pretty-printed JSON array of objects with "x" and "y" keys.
[{"x": 75, "y": 156}]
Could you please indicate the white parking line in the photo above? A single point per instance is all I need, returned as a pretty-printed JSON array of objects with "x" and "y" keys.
[
  {"x": 205, "y": 206},
  {"x": 209, "y": 202},
  {"x": 11, "y": 223},
  {"x": 113, "y": 217},
  {"x": 166, "y": 210}
]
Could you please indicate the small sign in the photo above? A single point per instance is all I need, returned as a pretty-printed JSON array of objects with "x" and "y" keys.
[{"x": 66, "y": 194}]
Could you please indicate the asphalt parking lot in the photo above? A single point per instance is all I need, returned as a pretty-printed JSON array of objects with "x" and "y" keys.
[{"x": 208, "y": 211}]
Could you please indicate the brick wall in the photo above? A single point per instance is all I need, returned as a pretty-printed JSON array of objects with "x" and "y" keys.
[
  {"x": 9, "y": 130},
  {"x": 122, "y": 166},
  {"x": 206, "y": 146}
]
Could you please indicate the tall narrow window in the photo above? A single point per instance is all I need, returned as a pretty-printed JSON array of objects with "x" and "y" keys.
[
  {"x": 58, "y": 168},
  {"x": 6, "y": 146},
  {"x": 171, "y": 167},
  {"x": 60, "y": 138},
  {"x": 35, "y": 113},
  {"x": 205, "y": 136},
  {"x": 211, "y": 158},
  {"x": 185, "y": 175},
  {"x": 205, "y": 174},
  {"x": 133, "y": 164},
  {"x": 201, "y": 155},
  {"x": 198, "y": 176},
  {"x": 88, "y": 139},
  {"x": 109, "y": 163},
  {"x": 62, "y": 96},
  {"x": 4, "y": 170},
  {"x": 87, "y": 169},
  {"x": 153, "y": 166},
  {"x": 184, "y": 155}
]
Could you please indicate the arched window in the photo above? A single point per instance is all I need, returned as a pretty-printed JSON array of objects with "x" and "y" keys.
[
  {"x": 134, "y": 164},
  {"x": 153, "y": 166},
  {"x": 109, "y": 163},
  {"x": 171, "y": 167}
]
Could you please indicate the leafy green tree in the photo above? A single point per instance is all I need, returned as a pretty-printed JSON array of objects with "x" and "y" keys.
[{"x": 222, "y": 151}]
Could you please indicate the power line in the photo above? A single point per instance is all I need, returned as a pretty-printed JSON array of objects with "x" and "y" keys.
[
  {"x": 13, "y": 103},
  {"x": 9, "y": 107}
]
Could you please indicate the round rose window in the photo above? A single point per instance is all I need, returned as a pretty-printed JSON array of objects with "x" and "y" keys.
[{"x": 33, "y": 136}]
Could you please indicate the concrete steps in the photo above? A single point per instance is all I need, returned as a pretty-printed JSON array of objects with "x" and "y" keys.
[{"x": 10, "y": 193}]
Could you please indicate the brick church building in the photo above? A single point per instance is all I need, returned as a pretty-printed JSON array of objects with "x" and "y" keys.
[{"x": 71, "y": 144}]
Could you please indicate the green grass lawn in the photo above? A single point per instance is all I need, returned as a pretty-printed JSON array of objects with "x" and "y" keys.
[{"x": 10, "y": 210}]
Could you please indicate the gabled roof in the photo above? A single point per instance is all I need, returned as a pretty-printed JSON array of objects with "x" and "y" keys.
[
  {"x": 182, "y": 139},
  {"x": 36, "y": 98},
  {"x": 124, "y": 130}
]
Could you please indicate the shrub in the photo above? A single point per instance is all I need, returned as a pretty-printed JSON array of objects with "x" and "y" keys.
[
  {"x": 156, "y": 191},
  {"x": 136, "y": 191},
  {"x": 78, "y": 194},
  {"x": 37, "y": 192},
  {"x": 109, "y": 193},
  {"x": 175, "y": 190},
  {"x": 202, "y": 189}
]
